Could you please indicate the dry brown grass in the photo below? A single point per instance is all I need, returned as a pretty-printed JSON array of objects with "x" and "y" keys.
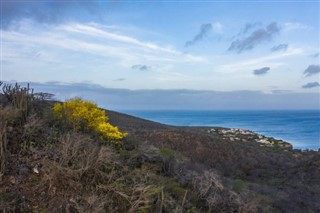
[
  {"x": 77, "y": 159},
  {"x": 3, "y": 146},
  {"x": 81, "y": 165},
  {"x": 8, "y": 116}
]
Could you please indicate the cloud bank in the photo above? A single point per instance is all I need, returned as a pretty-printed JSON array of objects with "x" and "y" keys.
[{"x": 123, "y": 99}]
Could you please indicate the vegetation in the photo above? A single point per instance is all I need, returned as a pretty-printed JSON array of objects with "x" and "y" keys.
[
  {"x": 86, "y": 115},
  {"x": 52, "y": 160}
]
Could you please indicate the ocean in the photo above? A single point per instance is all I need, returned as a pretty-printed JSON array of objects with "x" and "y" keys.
[{"x": 301, "y": 128}]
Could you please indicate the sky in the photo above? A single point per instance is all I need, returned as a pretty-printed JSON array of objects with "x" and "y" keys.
[{"x": 263, "y": 54}]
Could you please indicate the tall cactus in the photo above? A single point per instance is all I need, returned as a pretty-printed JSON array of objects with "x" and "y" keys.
[
  {"x": 3, "y": 146},
  {"x": 20, "y": 97}
]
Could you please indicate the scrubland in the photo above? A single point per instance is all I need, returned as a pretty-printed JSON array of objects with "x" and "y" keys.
[{"x": 56, "y": 158}]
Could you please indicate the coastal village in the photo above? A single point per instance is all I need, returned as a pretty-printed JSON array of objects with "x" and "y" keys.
[{"x": 241, "y": 135}]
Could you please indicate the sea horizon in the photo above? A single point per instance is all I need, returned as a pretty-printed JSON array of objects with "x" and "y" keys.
[{"x": 300, "y": 127}]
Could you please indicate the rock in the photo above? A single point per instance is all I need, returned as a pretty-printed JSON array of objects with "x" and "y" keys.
[
  {"x": 12, "y": 179},
  {"x": 35, "y": 170}
]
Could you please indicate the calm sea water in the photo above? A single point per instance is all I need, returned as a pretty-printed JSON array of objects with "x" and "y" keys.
[{"x": 300, "y": 128}]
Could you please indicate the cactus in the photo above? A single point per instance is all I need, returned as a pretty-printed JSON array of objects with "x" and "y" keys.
[
  {"x": 20, "y": 97},
  {"x": 3, "y": 145}
]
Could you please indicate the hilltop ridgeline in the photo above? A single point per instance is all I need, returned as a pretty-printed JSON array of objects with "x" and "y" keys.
[{"x": 50, "y": 166}]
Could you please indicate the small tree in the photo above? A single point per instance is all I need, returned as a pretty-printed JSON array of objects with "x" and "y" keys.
[{"x": 86, "y": 115}]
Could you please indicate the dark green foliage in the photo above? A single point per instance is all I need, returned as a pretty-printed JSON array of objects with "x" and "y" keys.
[{"x": 239, "y": 186}]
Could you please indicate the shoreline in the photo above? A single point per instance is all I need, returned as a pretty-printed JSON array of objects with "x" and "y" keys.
[
  {"x": 299, "y": 130},
  {"x": 271, "y": 138},
  {"x": 232, "y": 135},
  {"x": 242, "y": 136},
  {"x": 251, "y": 136}
]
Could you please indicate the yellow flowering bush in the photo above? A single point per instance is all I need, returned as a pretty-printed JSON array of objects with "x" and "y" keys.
[{"x": 86, "y": 115}]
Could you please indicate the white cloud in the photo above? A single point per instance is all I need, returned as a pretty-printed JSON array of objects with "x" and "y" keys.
[
  {"x": 295, "y": 26},
  {"x": 94, "y": 31},
  {"x": 91, "y": 39},
  {"x": 269, "y": 60},
  {"x": 217, "y": 27},
  {"x": 169, "y": 52}
]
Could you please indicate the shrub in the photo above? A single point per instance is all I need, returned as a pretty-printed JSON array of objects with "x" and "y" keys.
[
  {"x": 85, "y": 115},
  {"x": 167, "y": 152},
  {"x": 239, "y": 186}
]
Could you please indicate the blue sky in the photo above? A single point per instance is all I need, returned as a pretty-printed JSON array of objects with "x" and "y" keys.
[{"x": 268, "y": 47}]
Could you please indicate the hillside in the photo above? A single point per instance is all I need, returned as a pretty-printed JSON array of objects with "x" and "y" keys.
[{"x": 47, "y": 167}]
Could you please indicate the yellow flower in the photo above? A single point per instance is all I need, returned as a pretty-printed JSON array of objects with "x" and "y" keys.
[{"x": 85, "y": 114}]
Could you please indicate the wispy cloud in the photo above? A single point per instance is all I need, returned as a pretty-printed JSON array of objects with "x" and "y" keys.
[
  {"x": 180, "y": 99},
  {"x": 249, "y": 26},
  {"x": 311, "y": 85},
  {"x": 311, "y": 70},
  {"x": 120, "y": 79},
  {"x": 261, "y": 71},
  {"x": 204, "y": 30},
  {"x": 95, "y": 31},
  {"x": 280, "y": 47},
  {"x": 255, "y": 38},
  {"x": 294, "y": 26},
  {"x": 141, "y": 67},
  {"x": 316, "y": 55},
  {"x": 52, "y": 12},
  {"x": 91, "y": 39},
  {"x": 63, "y": 42},
  {"x": 217, "y": 27},
  {"x": 269, "y": 60}
]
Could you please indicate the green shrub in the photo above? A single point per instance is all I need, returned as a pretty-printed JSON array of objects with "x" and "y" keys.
[
  {"x": 239, "y": 186},
  {"x": 167, "y": 152}
]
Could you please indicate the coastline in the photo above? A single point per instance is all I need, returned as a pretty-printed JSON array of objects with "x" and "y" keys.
[
  {"x": 135, "y": 124},
  {"x": 297, "y": 127}
]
